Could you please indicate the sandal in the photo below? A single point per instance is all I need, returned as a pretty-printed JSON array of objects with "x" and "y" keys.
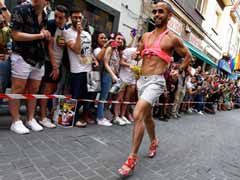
[
  {"x": 153, "y": 148},
  {"x": 128, "y": 167},
  {"x": 81, "y": 124}
]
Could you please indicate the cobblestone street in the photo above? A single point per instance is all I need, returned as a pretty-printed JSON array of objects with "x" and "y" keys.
[{"x": 193, "y": 148}]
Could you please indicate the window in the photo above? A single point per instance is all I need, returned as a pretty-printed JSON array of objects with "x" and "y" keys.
[
  {"x": 201, "y": 6},
  {"x": 230, "y": 31},
  {"x": 217, "y": 20}
]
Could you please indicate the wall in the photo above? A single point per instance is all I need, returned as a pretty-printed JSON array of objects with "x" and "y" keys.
[{"x": 129, "y": 14}]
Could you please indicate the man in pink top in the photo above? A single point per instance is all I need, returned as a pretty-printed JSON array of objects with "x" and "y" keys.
[{"x": 156, "y": 49}]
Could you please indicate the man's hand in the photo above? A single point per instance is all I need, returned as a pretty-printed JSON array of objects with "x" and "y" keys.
[
  {"x": 79, "y": 27},
  {"x": 45, "y": 34},
  {"x": 55, "y": 74},
  {"x": 2, "y": 57}
]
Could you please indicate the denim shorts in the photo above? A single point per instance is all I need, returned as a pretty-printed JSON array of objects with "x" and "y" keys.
[
  {"x": 151, "y": 87},
  {"x": 23, "y": 70}
]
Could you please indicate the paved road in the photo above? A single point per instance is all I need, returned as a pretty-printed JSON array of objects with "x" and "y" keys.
[{"x": 193, "y": 148}]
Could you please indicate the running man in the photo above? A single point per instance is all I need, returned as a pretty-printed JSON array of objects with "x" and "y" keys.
[{"x": 156, "y": 49}]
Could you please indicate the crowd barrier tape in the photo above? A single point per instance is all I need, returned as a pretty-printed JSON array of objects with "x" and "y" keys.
[{"x": 54, "y": 96}]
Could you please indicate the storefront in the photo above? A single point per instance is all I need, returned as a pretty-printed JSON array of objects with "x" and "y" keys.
[
  {"x": 203, "y": 58},
  {"x": 100, "y": 16}
]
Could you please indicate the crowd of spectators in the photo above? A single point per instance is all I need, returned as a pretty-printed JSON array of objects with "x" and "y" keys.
[{"x": 45, "y": 56}]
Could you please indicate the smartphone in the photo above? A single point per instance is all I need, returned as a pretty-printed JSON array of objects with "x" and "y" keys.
[
  {"x": 134, "y": 32},
  {"x": 114, "y": 44}
]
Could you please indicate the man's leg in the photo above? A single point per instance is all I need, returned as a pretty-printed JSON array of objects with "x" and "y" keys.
[
  {"x": 141, "y": 111},
  {"x": 150, "y": 126},
  {"x": 32, "y": 88},
  {"x": 48, "y": 88},
  {"x": 18, "y": 87}
]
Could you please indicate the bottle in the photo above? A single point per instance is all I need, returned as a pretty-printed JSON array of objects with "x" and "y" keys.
[{"x": 116, "y": 87}]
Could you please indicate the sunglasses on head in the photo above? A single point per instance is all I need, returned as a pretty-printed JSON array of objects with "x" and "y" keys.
[{"x": 159, "y": 11}]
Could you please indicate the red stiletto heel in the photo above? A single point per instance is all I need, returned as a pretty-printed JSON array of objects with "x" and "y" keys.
[
  {"x": 153, "y": 148},
  {"x": 128, "y": 167}
]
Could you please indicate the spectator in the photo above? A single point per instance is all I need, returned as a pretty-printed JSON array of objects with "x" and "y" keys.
[
  {"x": 28, "y": 59},
  {"x": 80, "y": 56},
  {"x": 128, "y": 91},
  {"x": 100, "y": 44},
  {"x": 4, "y": 11},
  {"x": 52, "y": 73},
  {"x": 5, "y": 51},
  {"x": 111, "y": 68}
]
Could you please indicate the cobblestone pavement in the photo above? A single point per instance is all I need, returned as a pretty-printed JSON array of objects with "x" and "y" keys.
[{"x": 193, "y": 148}]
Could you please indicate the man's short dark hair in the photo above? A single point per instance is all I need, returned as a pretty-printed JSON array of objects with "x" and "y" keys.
[
  {"x": 75, "y": 9},
  {"x": 63, "y": 9},
  {"x": 170, "y": 9}
]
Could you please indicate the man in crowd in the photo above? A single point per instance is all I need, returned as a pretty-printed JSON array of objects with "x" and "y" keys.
[
  {"x": 5, "y": 51},
  {"x": 156, "y": 48},
  {"x": 81, "y": 59},
  {"x": 28, "y": 60},
  {"x": 52, "y": 73}
]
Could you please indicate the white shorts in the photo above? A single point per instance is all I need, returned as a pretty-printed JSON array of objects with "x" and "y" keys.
[
  {"x": 151, "y": 87},
  {"x": 22, "y": 70}
]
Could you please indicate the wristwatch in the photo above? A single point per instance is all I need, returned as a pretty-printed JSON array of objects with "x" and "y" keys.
[{"x": 3, "y": 8}]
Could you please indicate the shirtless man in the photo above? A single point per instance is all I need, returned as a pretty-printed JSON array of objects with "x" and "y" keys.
[{"x": 156, "y": 49}]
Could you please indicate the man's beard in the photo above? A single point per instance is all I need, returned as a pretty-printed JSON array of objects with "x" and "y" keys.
[{"x": 74, "y": 24}]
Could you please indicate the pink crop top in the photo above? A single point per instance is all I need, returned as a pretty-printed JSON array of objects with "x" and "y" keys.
[{"x": 155, "y": 50}]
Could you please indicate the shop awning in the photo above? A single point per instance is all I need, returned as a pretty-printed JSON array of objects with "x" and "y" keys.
[{"x": 200, "y": 55}]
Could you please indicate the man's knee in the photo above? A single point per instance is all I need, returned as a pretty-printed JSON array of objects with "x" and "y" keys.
[{"x": 18, "y": 87}]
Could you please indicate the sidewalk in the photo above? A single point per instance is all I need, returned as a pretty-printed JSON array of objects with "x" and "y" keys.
[{"x": 193, "y": 148}]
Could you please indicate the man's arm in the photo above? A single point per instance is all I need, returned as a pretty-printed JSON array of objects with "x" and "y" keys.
[
  {"x": 183, "y": 52},
  {"x": 21, "y": 36},
  {"x": 75, "y": 46},
  {"x": 17, "y": 22},
  {"x": 55, "y": 68}
]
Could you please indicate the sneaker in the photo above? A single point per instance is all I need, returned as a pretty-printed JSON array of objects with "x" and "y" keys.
[
  {"x": 117, "y": 120},
  {"x": 47, "y": 123},
  {"x": 189, "y": 111},
  {"x": 103, "y": 122},
  {"x": 175, "y": 116},
  {"x": 178, "y": 115},
  {"x": 126, "y": 120},
  {"x": 19, "y": 128},
  {"x": 33, "y": 124},
  {"x": 200, "y": 112}
]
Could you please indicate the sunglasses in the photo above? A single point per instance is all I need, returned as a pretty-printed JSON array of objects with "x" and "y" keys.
[{"x": 159, "y": 11}]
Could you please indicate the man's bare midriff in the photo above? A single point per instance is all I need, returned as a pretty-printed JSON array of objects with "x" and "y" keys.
[{"x": 153, "y": 65}]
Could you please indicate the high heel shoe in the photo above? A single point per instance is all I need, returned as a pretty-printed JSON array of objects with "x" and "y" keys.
[
  {"x": 153, "y": 148},
  {"x": 128, "y": 167}
]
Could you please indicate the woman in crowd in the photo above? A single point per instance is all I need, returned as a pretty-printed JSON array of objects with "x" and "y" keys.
[
  {"x": 111, "y": 71},
  {"x": 128, "y": 90},
  {"x": 100, "y": 44}
]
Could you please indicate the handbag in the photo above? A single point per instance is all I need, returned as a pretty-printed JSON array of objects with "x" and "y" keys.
[{"x": 94, "y": 81}]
